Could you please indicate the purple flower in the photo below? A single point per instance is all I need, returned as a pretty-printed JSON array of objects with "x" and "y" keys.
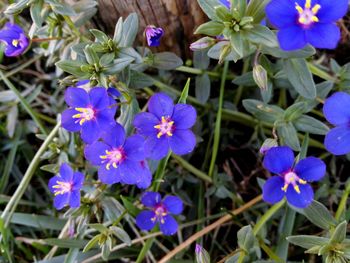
[
  {"x": 226, "y": 3},
  {"x": 303, "y": 22},
  {"x": 120, "y": 159},
  {"x": 290, "y": 181},
  {"x": 89, "y": 113},
  {"x": 66, "y": 187},
  {"x": 15, "y": 40},
  {"x": 166, "y": 126},
  {"x": 153, "y": 35},
  {"x": 159, "y": 213},
  {"x": 336, "y": 110}
]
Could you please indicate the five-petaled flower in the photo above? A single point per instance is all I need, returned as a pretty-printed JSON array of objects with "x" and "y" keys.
[
  {"x": 90, "y": 113},
  {"x": 166, "y": 126},
  {"x": 302, "y": 22},
  {"x": 290, "y": 181},
  {"x": 337, "y": 112},
  {"x": 15, "y": 40},
  {"x": 120, "y": 159},
  {"x": 66, "y": 187},
  {"x": 153, "y": 35},
  {"x": 159, "y": 213}
]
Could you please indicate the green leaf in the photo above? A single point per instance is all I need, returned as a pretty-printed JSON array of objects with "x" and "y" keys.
[
  {"x": 121, "y": 234},
  {"x": 241, "y": 6},
  {"x": 117, "y": 66},
  {"x": 99, "y": 227},
  {"x": 106, "y": 59},
  {"x": 318, "y": 214},
  {"x": 288, "y": 135},
  {"x": 92, "y": 243},
  {"x": 73, "y": 67},
  {"x": 223, "y": 13},
  {"x": 184, "y": 93},
  {"x": 166, "y": 61},
  {"x": 139, "y": 80},
  {"x": 263, "y": 111},
  {"x": 127, "y": 113},
  {"x": 51, "y": 168},
  {"x": 339, "y": 233},
  {"x": 66, "y": 242},
  {"x": 130, "y": 30},
  {"x": 99, "y": 35},
  {"x": 202, "y": 90},
  {"x": 295, "y": 111},
  {"x": 256, "y": 9},
  {"x": 300, "y": 77},
  {"x": 129, "y": 206},
  {"x": 237, "y": 43},
  {"x": 118, "y": 31},
  {"x": 211, "y": 28},
  {"x": 308, "y": 242},
  {"x": 202, "y": 256},
  {"x": 62, "y": 9},
  {"x": 35, "y": 12},
  {"x": 208, "y": 7},
  {"x": 262, "y": 35},
  {"x": 311, "y": 125},
  {"x": 285, "y": 229},
  {"x": 279, "y": 53},
  {"x": 246, "y": 238},
  {"x": 38, "y": 221},
  {"x": 16, "y": 8},
  {"x": 91, "y": 56}
]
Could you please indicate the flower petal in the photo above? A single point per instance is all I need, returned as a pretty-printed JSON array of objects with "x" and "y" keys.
[
  {"x": 281, "y": 13},
  {"x": 145, "y": 177},
  {"x": 52, "y": 182},
  {"x": 99, "y": 98},
  {"x": 68, "y": 122},
  {"x": 151, "y": 199},
  {"x": 105, "y": 118},
  {"x": 161, "y": 105},
  {"x": 337, "y": 140},
  {"x": 323, "y": 35},
  {"x": 76, "y": 97},
  {"x": 279, "y": 159},
  {"x": 291, "y": 38},
  {"x": 168, "y": 226},
  {"x": 130, "y": 172},
  {"x": 182, "y": 142},
  {"x": 310, "y": 169},
  {"x": 111, "y": 176},
  {"x": 78, "y": 181},
  {"x": 173, "y": 204},
  {"x": 144, "y": 220},
  {"x": 66, "y": 172},
  {"x": 90, "y": 131},
  {"x": 332, "y": 11},
  {"x": 184, "y": 116},
  {"x": 61, "y": 201},
  {"x": 272, "y": 190},
  {"x": 134, "y": 148},
  {"x": 301, "y": 200},
  {"x": 336, "y": 108},
  {"x": 74, "y": 200},
  {"x": 114, "y": 137},
  {"x": 145, "y": 122},
  {"x": 93, "y": 152},
  {"x": 156, "y": 148}
]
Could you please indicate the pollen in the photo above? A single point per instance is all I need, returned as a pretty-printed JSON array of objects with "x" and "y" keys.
[
  {"x": 113, "y": 158},
  {"x": 308, "y": 14},
  {"x": 86, "y": 114},
  {"x": 166, "y": 127},
  {"x": 291, "y": 178},
  {"x": 62, "y": 188},
  {"x": 15, "y": 42}
]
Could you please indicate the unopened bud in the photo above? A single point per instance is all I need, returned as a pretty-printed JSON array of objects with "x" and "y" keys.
[
  {"x": 260, "y": 77},
  {"x": 225, "y": 51},
  {"x": 202, "y": 43},
  {"x": 267, "y": 145},
  {"x": 202, "y": 256}
]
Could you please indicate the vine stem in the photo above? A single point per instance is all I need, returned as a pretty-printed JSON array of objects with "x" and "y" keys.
[
  {"x": 218, "y": 121},
  {"x": 342, "y": 203},
  {"x": 209, "y": 228},
  {"x": 24, "y": 103},
  {"x": 12, "y": 204}
]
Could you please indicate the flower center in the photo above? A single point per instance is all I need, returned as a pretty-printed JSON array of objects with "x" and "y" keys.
[
  {"x": 16, "y": 42},
  {"x": 62, "y": 187},
  {"x": 160, "y": 212},
  {"x": 165, "y": 127},
  {"x": 293, "y": 179},
  {"x": 113, "y": 158},
  {"x": 86, "y": 114},
  {"x": 307, "y": 15}
]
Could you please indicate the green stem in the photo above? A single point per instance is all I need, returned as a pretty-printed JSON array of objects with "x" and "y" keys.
[
  {"x": 242, "y": 255},
  {"x": 218, "y": 121},
  {"x": 320, "y": 73},
  {"x": 192, "y": 169},
  {"x": 12, "y": 204},
  {"x": 197, "y": 71},
  {"x": 267, "y": 216},
  {"x": 342, "y": 203},
  {"x": 241, "y": 87},
  {"x": 24, "y": 103}
]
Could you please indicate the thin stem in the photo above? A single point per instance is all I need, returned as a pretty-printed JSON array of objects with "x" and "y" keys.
[
  {"x": 192, "y": 169},
  {"x": 218, "y": 121},
  {"x": 22, "y": 66},
  {"x": 24, "y": 103},
  {"x": 241, "y": 87},
  {"x": 196, "y": 71},
  {"x": 320, "y": 73},
  {"x": 12, "y": 204},
  {"x": 267, "y": 216},
  {"x": 209, "y": 228},
  {"x": 342, "y": 203}
]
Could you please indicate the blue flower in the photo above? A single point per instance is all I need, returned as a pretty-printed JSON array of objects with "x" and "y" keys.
[
  {"x": 66, "y": 187},
  {"x": 15, "y": 40},
  {"x": 120, "y": 159},
  {"x": 90, "y": 113},
  {"x": 153, "y": 35},
  {"x": 290, "y": 181},
  {"x": 166, "y": 126},
  {"x": 159, "y": 213},
  {"x": 302, "y": 22},
  {"x": 336, "y": 110},
  {"x": 226, "y": 3}
]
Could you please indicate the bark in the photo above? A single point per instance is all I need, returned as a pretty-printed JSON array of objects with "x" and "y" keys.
[{"x": 179, "y": 19}]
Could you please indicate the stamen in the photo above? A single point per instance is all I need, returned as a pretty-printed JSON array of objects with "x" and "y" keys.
[
  {"x": 86, "y": 114},
  {"x": 315, "y": 19},
  {"x": 297, "y": 189},
  {"x": 315, "y": 9},
  {"x": 285, "y": 187},
  {"x": 62, "y": 187},
  {"x": 15, "y": 42},
  {"x": 166, "y": 127},
  {"x": 299, "y": 8},
  {"x": 308, "y": 4},
  {"x": 301, "y": 181}
]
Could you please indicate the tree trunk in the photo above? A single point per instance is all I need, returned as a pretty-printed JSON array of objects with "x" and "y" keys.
[{"x": 178, "y": 18}]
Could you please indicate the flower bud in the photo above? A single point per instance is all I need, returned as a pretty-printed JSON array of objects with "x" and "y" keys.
[
  {"x": 202, "y": 43},
  {"x": 267, "y": 145},
  {"x": 260, "y": 77},
  {"x": 202, "y": 255}
]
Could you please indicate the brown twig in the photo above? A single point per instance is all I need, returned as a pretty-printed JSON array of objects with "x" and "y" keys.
[{"x": 209, "y": 228}]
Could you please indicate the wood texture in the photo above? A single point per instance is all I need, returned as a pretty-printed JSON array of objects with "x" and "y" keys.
[{"x": 179, "y": 19}]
